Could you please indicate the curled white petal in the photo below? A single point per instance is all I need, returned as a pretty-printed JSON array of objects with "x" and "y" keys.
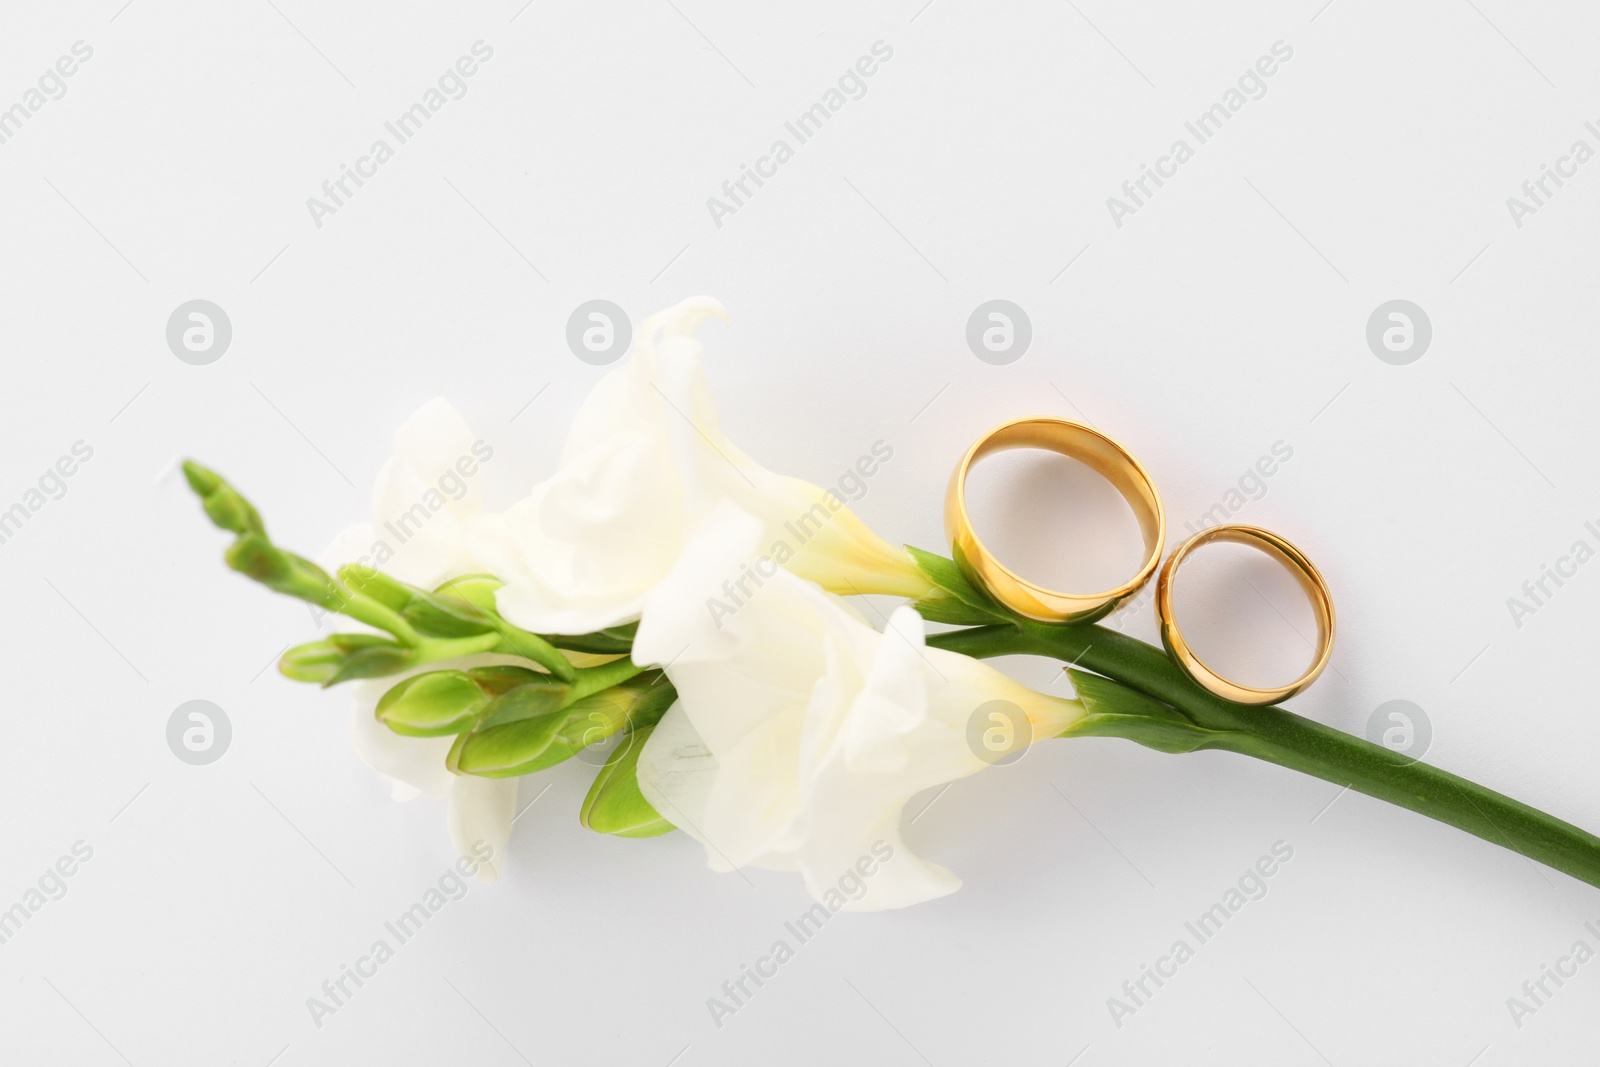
[
  {"x": 645, "y": 463},
  {"x": 425, "y": 498},
  {"x": 480, "y": 814},
  {"x": 801, "y": 733},
  {"x": 413, "y": 765}
]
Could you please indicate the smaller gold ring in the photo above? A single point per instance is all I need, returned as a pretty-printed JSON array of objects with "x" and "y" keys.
[
  {"x": 1297, "y": 563},
  {"x": 1101, "y": 454}
]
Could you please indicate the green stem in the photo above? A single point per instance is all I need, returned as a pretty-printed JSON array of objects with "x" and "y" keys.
[
  {"x": 1290, "y": 740},
  {"x": 591, "y": 680},
  {"x": 365, "y": 609},
  {"x": 434, "y": 649}
]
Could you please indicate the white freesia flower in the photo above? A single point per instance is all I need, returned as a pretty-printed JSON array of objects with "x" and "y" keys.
[
  {"x": 424, "y": 498},
  {"x": 645, "y": 462},
  {"x": 801, "y": 732}
]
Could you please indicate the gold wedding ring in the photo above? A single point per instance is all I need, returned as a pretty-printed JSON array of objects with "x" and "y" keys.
[
  {"x": 1297, "y": 563},
  {"x": 1099, "y": 452}
]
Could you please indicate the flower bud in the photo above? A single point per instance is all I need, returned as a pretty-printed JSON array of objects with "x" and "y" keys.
[
  {"x": 614, "y": 804},
  {"x": 253, "y": 556},
  {"x": 222, "y": 502},
  {"x": 375, "y": 585},
  {"x": 476, "y": 589},
  {"x": 375, "y": 662},
  {"x": 541, "y": 695},
  {"x": 435, "y": 704},
  {"x": 321, "y": 661},
  {"x": 502, "y": 678},
  {"x": 516, "y": 738},
  {"x": 427, "y": 613}
]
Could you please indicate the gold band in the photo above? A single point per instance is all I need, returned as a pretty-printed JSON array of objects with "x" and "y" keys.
[
  {"x": 1297, "y": 563},
  {"x": 1099, "y": 452}
]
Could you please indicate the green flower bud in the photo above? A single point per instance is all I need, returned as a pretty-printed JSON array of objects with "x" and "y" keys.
[
  {"x": 433, "y": 616},
  {"x": 502, "y": 678},
  {"x": 615, "y": 804},
  {"x": 435, "y": 704},
  {"x": 521, "y": 747},
  {"x": 476, "y": 589},
  {"x": 516, "y": 738},
  {"x": 374, "y": 662},
  {"x": 203, "y": 480},
  {"x": 227, "y": 509},
  {"x": 542, "y": 695},
  {"x": 253, "y": 556},
  {"x": 375, "y": 585},
  {"x": 222, "y": 502},
  {"x": 320, "y": 661}
]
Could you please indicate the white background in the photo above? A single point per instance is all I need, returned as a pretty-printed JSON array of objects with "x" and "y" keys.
[{"x": 1227, "y": 314}]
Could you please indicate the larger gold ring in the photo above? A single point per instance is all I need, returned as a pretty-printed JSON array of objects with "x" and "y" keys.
[
  {"x": 1297, "y": 563},
  {"x": 1099, "y": 452}
]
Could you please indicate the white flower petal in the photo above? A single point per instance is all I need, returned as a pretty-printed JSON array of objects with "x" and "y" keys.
[
  {"x": 480, "y": 814},
  {"x": 414, "y": 765},
  {"x": 645, "y": 463},
  {"x": 801, "y": 733},
  {"x": 591, "y": 542},
  {"x": 676, "y": 772}
]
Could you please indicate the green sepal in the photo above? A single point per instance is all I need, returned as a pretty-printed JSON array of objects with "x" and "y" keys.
[
  {"x": 614, "y": 640},
  {"x": 515, "y": 749},
  {"x": 434, "y": 704},
  {"x": 478, "y": 591},
  {"x": 502, "y": 678},
  {"x": 428, "y": 613},
  {"x": 615, "y": 805},
  {"x": 504, "y": 749},
  {"x": 531, "y": 646},
  {"x": 957, "y": 601},
  {"x": 1114, "y": 710},
  {"x": 542, "y": 695},
  {"x": 374, "y": 662},
  {"x": 319, "y": 661}
]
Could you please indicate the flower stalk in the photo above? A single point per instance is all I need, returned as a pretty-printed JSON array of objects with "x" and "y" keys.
[{"x": 1145, "y": 697}]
